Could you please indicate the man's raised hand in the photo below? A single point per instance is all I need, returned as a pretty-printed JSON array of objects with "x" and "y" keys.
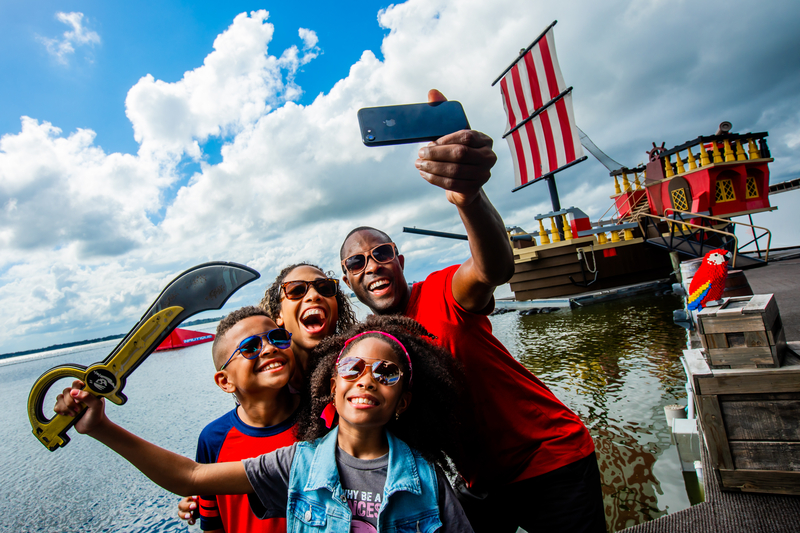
[{"x": 460, "y": 163}]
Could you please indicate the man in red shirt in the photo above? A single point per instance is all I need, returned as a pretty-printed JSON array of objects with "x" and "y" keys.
[{"x": 533, "y": 465}]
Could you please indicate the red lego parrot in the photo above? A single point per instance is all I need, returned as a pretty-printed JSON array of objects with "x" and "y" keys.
[{"x": 708, "y": 283}]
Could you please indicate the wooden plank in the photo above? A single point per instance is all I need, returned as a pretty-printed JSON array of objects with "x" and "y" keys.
[
  {"x": 734, "y": 340},
  {"x": 696, "y": 364},
  {"x": 743, "y": 355},
  {"x": 539, "y": 273},
  {"x": 553, "y": 276},
  {"x": 761, "y": 481},
  {"x": 766, "y": 305},
  {"x": 753, "y": 381},
  {"x": 758, "y": 303},
  {"x": 707, "y": 312},
  {"x": 772, "y": 333},
  {"x": 733, "y": 324},
  {"x": 525, "y": 254},
  {"x": 716, "y": 340},
  {"x": 762, "y": 455},
  {"x": 730, "y": 311},
  {"x": 779, "y": 350},
  {"x": 758, "y": 419},
  {"x": 714, "y": 432},
  {"x": 547, "y": 262},
  {"x": 756, "y": 339},
  {"x": 765, "y": 397}
]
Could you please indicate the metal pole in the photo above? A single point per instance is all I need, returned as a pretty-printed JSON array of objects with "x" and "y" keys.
[
  {"x": 551, "y": 184},
  {"x": 755, "y": 239}
]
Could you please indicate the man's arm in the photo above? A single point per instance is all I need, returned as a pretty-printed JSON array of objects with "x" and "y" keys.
[{"x": 460, "y": 163}]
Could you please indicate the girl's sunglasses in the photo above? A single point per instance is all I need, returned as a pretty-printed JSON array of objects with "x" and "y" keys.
[
  {"x": 383, "y": 253},
  {"x": 294, "y": 290},
  {"x": 251, "y": 347},
  {"x": 385, "y": 372}
]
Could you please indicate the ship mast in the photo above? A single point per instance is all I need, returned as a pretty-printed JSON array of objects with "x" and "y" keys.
[{"x": 541, "y": 130}]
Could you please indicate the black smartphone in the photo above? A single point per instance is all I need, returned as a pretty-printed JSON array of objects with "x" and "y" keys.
[{"x": 410, "y": 123}]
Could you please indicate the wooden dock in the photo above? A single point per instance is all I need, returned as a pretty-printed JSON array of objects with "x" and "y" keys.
[
  {"x": 781, "y": 278},
  {"x": 729, "y": 512}
]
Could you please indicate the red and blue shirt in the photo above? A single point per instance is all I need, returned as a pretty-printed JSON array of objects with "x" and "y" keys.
[{"x": 228, "y": 439}]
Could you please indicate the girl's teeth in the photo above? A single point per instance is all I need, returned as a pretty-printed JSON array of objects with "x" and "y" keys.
[{"x": 362, "y": 401}]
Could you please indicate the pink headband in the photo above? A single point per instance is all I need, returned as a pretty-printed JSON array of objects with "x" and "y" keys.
[{"x": 351, "y": 339}]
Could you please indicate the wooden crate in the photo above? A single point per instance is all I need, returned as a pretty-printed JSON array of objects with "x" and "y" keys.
[
  {"x": 751, "y": 423},
  {"x": 743, "y": 332}
]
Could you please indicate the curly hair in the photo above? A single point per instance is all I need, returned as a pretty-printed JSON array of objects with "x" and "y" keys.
[
  {"x": 271, "y": 302},
  {"x": 432, "y": 423},
  {"x": 232, "y": 318}
]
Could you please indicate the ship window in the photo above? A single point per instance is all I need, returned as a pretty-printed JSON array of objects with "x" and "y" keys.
[
  {"x": 724, "y": 191},
  {"x": 679, "y": 200},
  {"x": 752, "y": 188}
]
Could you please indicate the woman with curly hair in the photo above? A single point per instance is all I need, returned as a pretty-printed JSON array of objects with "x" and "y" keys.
[
  {"x": 309, "y": 304},
  {"x": 362, "y": 475}
]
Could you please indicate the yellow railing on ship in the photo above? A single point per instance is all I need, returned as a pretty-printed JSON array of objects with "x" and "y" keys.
[{"x": 730, "y": 152}]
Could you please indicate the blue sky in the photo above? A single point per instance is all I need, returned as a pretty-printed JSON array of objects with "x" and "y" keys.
[
  {"x": 138, "y": 139},
  {"x": 164, "y": 39}
]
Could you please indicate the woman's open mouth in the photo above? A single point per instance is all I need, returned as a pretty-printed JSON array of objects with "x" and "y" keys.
[{"x": 313, "y": 320}]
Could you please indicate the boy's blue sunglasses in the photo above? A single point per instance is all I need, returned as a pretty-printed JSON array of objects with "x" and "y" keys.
[{"x": 251, "y": 347}]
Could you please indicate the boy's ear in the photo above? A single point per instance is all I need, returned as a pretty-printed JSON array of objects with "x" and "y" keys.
[
  {"x": 402, "y": 261},
  {"x": 222, "y": 381},
  {"x": 346, "y": 281}
]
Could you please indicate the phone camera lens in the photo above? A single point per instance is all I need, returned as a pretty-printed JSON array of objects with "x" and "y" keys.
[{"x": 370, "y": 137}]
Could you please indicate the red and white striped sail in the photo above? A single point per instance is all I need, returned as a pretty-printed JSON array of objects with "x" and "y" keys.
[{"x": 550, "y": 140}]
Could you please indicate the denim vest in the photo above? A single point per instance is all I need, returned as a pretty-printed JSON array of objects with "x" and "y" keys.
[{"x": 317, "y": 501}]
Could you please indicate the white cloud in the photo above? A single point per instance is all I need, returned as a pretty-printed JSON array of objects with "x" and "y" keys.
[
  {"x": 309, "y": 37},
  {"x": 294, "y": 179},
  {"x": 79, "y": 35}
]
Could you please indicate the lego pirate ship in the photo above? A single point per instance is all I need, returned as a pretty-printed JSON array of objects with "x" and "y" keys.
[{"x": 681, "y": 202}]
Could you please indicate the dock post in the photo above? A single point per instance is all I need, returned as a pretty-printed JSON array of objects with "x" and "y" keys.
[{"x": 676, "y": 265}]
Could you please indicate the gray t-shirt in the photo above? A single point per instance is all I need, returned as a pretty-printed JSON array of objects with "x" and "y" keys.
[{"x": 362, "y": 481}]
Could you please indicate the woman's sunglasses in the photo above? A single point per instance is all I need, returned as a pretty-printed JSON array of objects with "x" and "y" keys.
[
  {"x": 385, "y": 372},
  {"x": 383, "y": 253},
  {"x": 294, "y": 290},
  {"x": 251, "y": 347}
]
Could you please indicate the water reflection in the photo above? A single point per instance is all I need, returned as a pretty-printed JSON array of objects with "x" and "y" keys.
[{"x": 617, "y": 365}]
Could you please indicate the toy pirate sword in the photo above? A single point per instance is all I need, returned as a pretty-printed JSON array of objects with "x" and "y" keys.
[{"x": 201, "y": 288}]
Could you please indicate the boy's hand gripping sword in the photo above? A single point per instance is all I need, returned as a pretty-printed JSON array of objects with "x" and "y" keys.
[{"x": 201, "y": 288}]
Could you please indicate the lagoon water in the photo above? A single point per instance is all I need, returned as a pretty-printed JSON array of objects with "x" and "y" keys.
[{"x": 615, "y": 364}]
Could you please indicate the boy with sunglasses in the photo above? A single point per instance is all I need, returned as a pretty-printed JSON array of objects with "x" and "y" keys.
[
  {"x": 254, "y": 362},
  {"x": 533, "y": 465}
]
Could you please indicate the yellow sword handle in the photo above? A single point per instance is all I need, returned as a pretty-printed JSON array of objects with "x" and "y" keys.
[
  {"x": 104, "y": 379},
  {"x": 52, "y": 433}
]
